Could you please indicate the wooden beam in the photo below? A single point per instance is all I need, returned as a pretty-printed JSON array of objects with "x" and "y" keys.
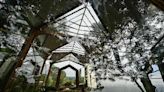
[
  {"x": 34, "y": 32},
  {"x": 44, "y": 62},
  {"x": 158, "y": 3}
]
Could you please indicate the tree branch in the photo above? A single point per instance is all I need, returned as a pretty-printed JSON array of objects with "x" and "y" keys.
[{"x": 159, "y": 40}]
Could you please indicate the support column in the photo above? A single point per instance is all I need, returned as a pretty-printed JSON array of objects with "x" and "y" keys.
[
  {"x": 85, "y": 76},
  {"x": 44, "y": 62},
  {"x": 49, "y": 71},
  {"x": 34, "y": 32},
  {"x": 58, "y": 79},
  {"x": 77, "y": 78}
]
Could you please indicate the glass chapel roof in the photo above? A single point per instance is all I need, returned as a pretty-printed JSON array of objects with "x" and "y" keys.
[{"x": 78, "y": 24}]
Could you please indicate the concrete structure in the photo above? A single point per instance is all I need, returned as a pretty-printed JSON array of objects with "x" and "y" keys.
[{"x": 91, "y": 78}]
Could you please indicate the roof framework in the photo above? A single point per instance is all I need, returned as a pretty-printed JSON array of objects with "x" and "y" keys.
[
  {"x": 69, "y": 58},
  {"x": 78, "y": 24}
]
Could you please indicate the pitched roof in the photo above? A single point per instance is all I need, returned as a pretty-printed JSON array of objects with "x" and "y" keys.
[
  {"x": 70, "y": 57},
  {"x": 73, "y": 46}
]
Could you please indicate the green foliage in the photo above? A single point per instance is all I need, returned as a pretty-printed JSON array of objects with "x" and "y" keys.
[
  {"x": 51, "y": 81},
  {"x": 7, "y": 50},
  {"x": 6, "y": 68},
  {"x": 21, "y": 85},
  {"x": 68, "y": 83},
  {"x": 53, "y": 78}
]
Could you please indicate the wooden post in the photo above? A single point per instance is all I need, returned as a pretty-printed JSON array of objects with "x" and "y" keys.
[
  {"x": 49, "y": 71},
  {"x": 44, "y": 62},
  {"x": 77, "y": 78},
  {"x": 58, "y": 79},
  {"x": 34, "y": 32},
  {"x": 86, "y": 84},
  {"x": 158, "y": 3}
]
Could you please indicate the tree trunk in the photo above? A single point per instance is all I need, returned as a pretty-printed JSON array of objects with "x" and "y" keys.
[
  {"x": 154, "y": 50},
  {"x": 25, "y": 48},
  {"x": 161, "y": 69},
  {"x": 34, "y": 32},
  {"x": 138, "y": 85},
  {"x": 6, "y": 69},
  {"x": 117, "y": 58},
  {"x": 147, "y": 84}
]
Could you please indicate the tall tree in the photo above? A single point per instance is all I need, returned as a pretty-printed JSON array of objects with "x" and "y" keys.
[{"x": 130, "y": 33}]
